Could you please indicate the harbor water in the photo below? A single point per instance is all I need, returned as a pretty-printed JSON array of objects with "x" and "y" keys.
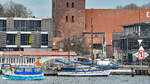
[{"x": 112, "y": 79}]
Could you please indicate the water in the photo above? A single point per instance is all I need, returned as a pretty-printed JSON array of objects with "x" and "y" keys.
[{"x": 115, "y": 79}]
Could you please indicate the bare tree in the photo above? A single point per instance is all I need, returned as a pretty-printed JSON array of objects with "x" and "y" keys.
[
  {"x": 12, "y": 9},
  {"x": 119, "y": 7},
  {"x": 146, "y": 6},
  {"x": 1, "y": 10},
  {"x": 129, "y": 6},
  {"x": 72, "y": 30}
]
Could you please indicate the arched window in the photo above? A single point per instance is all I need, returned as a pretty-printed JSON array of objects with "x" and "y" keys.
[
  {"x": 66, "y": 18},
  {"x": 72, "y": 18},
  {"x": 67, "y": 4},
  {"x": 72, "y": 4}
]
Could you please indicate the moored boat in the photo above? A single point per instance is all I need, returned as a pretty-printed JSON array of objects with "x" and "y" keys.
[
  {"x": 24, "y": 73},
  {"x": 82, "y": 73}
]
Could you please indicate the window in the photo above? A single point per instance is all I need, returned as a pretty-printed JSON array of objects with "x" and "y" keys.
[
  {"x": 37, "y": 69},
  {"x": 28, "y": 70},
  {"x": 66, "y": 18},
  {"x": 11, "y": 39},
  {"x": 97, "y": 46},
  {"x": 2, "y": 25},
  {"x": 44, "y": 39},
  {"x": 25, "y": 39},
  {"x": 19, "y": 70},
  {"x": 72, "y": 4},
  {"x": 27, "y": 25},
  {"x": 72, "y": 18},
  {"x": 67, "y": 4}
]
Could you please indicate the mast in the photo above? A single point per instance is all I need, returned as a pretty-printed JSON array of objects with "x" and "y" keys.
[
  {"x": 92, "y": 34},
  {"x": 69, "y": 45},
  {"x": 140, "y": 31}
]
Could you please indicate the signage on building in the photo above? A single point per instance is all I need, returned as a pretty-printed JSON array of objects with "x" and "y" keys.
[{"x": 147, "y": 14}]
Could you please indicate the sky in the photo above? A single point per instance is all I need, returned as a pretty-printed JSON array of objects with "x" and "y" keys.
[{"x": 43, "y": 8}]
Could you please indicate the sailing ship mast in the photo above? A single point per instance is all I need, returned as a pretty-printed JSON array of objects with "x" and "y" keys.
[
  {"x": 92, "y": 35},
  {"x": 68, "y": 45},
  {"x": 140, "y": 30}
]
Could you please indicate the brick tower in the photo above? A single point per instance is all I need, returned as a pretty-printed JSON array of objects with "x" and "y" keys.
[{"x": 68, "y": 16}]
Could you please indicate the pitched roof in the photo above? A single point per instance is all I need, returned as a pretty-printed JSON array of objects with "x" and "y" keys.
[
  {"x": 137, "y": 24},
  {"x": 38, "y": 53}
]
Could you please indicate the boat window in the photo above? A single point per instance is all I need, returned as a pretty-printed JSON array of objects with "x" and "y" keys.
[
  {"x": 7, "y": 66},
  {"x": 37, "y": 70},
  {"x": 28, "y": 70},
  {"x": 19, "y": 70}
]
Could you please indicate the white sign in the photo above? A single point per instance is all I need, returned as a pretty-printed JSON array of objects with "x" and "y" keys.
[
  {"x": 148, "y": 14},
  {"x": 140, "y": 41},
  {"x": 141, "y": 54}
]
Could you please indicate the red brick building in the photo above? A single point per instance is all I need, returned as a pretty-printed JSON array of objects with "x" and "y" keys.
[
  {"x": 110, "y": 20},
  {"x": 71, "y": 15}
]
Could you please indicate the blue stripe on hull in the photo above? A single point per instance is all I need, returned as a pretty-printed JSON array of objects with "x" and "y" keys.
[{"x": 23, "y": 78}]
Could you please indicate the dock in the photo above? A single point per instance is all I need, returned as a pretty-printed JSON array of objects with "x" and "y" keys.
[
  {"x": 137, "y": 69},
  {"x": 121, "y": 70},
  {"x": 50, "y": 73}
]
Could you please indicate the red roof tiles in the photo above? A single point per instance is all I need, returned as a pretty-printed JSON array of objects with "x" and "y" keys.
[{"x": 39, "y": 53}]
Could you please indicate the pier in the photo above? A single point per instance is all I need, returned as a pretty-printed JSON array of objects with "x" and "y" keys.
[
  {"x": 137, "y": 69},
  {"x": 121, "y": 70}
]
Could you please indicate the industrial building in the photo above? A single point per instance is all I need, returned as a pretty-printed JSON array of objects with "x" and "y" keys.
[{"x": 126, "y": 43}]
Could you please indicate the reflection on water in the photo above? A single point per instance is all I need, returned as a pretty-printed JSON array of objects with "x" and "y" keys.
[{"x": 115, "y": 79}]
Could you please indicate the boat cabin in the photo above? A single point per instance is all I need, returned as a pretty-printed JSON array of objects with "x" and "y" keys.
[{"x": 28, "y": 71}]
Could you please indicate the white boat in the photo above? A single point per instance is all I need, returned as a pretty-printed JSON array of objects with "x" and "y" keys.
[{"x": 85, "y": 73}]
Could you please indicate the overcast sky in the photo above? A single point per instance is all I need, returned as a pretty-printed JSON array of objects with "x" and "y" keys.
[{"x": 42, "y": 8}]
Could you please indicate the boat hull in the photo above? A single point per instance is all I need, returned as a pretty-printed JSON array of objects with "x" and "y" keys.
[
  {"x": 13, "y": 77},
  {"x": 85, "y": 73}
]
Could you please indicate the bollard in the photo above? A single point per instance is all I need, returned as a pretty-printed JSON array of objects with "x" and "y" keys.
[{"x": 132, "y": 72}]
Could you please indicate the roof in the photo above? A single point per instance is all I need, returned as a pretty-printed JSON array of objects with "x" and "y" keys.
[
  {"x": 57, "y": 39},
  {"x": 137, "y": 24},
  {"x": 1, "y": 18},
  {"x": 37, "y": 53},
  {"x": 16, "y": 18},
  {"x": 109, "y": 20},
  {"x": 94, "y": 33}
]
